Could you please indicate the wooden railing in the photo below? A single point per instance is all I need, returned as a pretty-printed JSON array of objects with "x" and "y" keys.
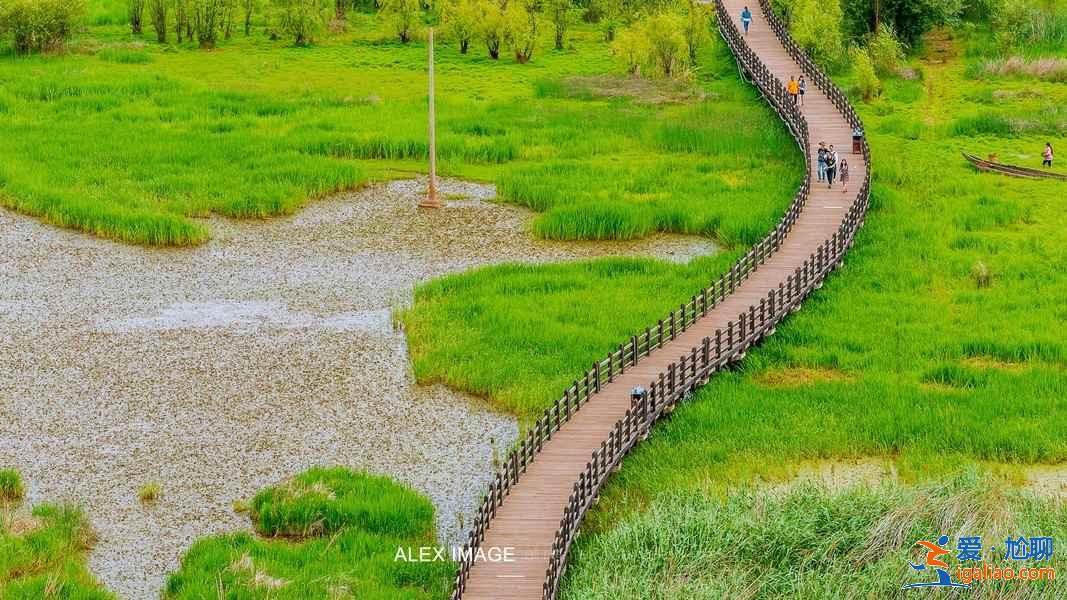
[{"x": 695, "y": 367}]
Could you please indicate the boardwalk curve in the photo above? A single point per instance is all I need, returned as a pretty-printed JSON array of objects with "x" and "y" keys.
[{"x": 538, "y": 496}]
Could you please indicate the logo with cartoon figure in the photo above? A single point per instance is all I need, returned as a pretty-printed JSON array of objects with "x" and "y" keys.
[{"x": 934, "y": 552}]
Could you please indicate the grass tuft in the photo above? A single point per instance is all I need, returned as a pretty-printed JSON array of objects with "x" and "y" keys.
[
  {"x": 11, "y": 487},
  {"x": 349, "y": 525},
  {"x": 149, "y": 492}
]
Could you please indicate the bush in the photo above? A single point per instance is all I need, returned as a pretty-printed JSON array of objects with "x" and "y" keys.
[
  {"x": 886, "y": 51},
  {"x": 301, "y": 19},
  {"x": 867, "y": 82},
  {"x": 816, "y": 27},
  {"x": 39, "y": 25},
  {"x": 1020, "y": 24}
]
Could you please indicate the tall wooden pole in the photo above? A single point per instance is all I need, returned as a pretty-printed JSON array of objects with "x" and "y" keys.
[{"x": 431, "y": 200}]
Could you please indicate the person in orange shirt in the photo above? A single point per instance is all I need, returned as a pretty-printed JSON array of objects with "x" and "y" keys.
[{"x": 793, "y": 88}]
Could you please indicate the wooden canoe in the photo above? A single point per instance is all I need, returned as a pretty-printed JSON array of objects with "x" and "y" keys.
[{"x": 1013, "y": 171}]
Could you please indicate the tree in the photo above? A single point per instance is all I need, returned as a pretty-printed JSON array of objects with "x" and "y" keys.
[
  {"x": 697, "y": 24},
  {"x": 521, "y": 30},
  {"x": 301, "y": 19},
  {"x": 39, "y": 25},
  {"x": 229, "y": 7},
  {"x": 248, "y": 7},
  {"x": 460, "y": 19},
  {"x": 666, "y": 44},
  {"x": 631, "y": 47},
  {"x": 492, "y": 27},
  {"x": 135, "y": 8},
  {"x": 609, "y": 14},
  {"x": 181, "y": 18},
  {"x": 205, "y": 16},
  {"x": 158, "y": 10},
  {"x": 816, "y": 27},
  {"x": 560, "y": 12},
  {"x": 405, "y": 16}
]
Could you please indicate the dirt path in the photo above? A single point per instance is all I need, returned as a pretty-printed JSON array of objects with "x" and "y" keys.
[{"x": 221, "y": 369}]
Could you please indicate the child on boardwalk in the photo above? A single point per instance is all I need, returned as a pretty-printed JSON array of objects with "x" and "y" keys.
[
  {"x": 793, "y": 88},
  {"x": 844, "y": 175},
  {"x": 746, "y": 18},
  {"x": 1047, "y": 156}
]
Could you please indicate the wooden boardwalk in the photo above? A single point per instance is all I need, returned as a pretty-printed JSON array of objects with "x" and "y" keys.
[{"x": 533, "y": 507}]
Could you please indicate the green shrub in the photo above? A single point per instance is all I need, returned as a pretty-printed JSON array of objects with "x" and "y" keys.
[
  {"x": 867, "y": 82},
  {"x": 816, "y": 27},
  {"x": 886, "y": 51},
  {"x": 39, "y": 25}
]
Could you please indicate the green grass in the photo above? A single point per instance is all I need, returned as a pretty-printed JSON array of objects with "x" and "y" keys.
[
  {"x": 340, "y": 534},
  {"x": 922, "y": 362},
  {"x": 908, "y": 353},
  {"x": 805, "y": 542},
  {"x": 128, "y": 139},
  {"x": 11, "y": 487},
  {"x": 42, "y": 552},
  {"x": 518, "y": 334}
]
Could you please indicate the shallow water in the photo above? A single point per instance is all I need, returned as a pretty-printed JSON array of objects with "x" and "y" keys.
[{"x": 221, "y": 369}]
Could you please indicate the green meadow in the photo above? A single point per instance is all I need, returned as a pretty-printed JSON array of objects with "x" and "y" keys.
[
  {"x": 132, "y": 140},
  {"x": 937, "y": 349}
]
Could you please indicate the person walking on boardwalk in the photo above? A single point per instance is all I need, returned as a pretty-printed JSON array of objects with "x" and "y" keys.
[
  {"x": 802, "y": 86},
  {"x": 821, "y": 162},
  {"x": 746, "y": 18},
  {"x": 1047, "y": 156},
  {"x": 844, "y": 175},
  {"x": 793, "y": 88},
  {"x": 831, "y": 167}
]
